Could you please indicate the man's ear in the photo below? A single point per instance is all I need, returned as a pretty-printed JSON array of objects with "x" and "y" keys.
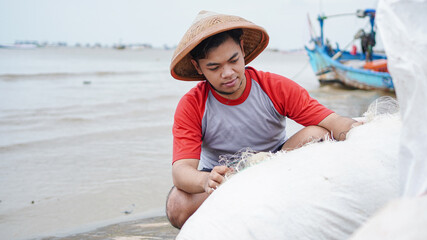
[
  {"x": 196, "y": 66},
  {"x": 241, "y": 46}
]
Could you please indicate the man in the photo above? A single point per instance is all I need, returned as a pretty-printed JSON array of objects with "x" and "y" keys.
[{"x": 234, "y": 107}]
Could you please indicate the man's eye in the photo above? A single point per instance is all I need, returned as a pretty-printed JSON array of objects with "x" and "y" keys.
[
  {"x": 234, "y": 60},
  {"x": 213, "y": 69}
]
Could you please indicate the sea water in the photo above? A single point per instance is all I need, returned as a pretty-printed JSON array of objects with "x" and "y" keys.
[{"x": 85, "y": 134}]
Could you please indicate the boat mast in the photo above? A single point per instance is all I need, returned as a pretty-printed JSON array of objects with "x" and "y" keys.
[{"x": 321, "y": 19}]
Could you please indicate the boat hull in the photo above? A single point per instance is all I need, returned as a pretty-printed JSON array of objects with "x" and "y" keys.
[{"x": 329, "y": 70}]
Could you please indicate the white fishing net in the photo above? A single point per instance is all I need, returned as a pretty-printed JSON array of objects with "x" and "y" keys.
[
  {"x": 247, "y": 157},
  {"x": 323, "y": 190},
  {"x": 381, "y": 106},
  {"x": 242, "y": 159}
]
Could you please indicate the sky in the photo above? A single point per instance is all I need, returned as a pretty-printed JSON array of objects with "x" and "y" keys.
[{"x": 164, "y": 22}]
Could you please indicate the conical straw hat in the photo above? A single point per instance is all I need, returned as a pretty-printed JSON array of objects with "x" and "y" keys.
[{"x": 206, "y": 24}]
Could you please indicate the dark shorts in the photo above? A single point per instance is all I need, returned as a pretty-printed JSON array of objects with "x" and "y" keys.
[{"x": 279, "y": 148}]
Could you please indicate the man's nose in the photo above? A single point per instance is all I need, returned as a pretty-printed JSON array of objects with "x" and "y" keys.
[{"x": 227, "y": 71}]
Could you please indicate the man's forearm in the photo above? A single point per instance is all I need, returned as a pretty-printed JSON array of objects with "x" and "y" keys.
[
  {"x": 342, "y": 128},
  {"x": 338, "y": 125},
  {"x": 186, "y": 176}
]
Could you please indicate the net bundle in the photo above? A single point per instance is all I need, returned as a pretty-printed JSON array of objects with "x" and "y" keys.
[
  {"x": 385, "y": 105},
  {"x": 244, "y": 158}
]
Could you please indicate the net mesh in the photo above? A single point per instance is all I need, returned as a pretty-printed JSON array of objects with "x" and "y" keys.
[
  {"x": 381, "y": 106},
  {"x": 244, "y": 158},
  {"x": 247, "y": 157}
]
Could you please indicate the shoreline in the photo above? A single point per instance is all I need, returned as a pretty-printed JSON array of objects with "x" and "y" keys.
[{"x": 145, "y": 228}]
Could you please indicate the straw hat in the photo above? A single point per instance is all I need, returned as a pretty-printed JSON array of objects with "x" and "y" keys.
[{"x": 206, "y": 24}]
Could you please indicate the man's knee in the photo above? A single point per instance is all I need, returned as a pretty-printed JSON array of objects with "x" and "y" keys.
[
  {"x": 181, "y": 205},
  {"x": 173, "y": 211}
]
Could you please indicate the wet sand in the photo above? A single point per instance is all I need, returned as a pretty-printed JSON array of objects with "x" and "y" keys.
[{"x": 149, "y": 228}]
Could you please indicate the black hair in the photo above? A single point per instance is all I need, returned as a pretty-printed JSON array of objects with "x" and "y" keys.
[{"x": 201, "y": 50}]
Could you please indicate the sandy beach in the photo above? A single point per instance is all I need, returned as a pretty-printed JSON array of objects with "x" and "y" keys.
[{"x": 151, "y": 228}]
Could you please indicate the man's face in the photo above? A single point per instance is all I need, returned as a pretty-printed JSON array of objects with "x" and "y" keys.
[{"x": 224, "y": 68}]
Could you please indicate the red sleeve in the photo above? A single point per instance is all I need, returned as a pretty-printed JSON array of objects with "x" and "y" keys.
[
  {"x": 187, "y": 127},
  {"x": 290, "y": 99}
]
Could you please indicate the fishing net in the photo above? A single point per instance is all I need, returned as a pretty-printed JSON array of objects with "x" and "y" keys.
[
  {"x": 381, "y": 106},
  {"x": 244, "y": 158},
  {"x": 320, "y": 191},
  {"x": 247, "y": 157}
]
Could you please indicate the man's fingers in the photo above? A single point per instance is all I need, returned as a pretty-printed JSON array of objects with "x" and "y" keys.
[
  {"x": 356, "y": 124},
  {"x": 215, "y": 179},
  {"x": 221, "y": 169},
  {"x": 211, "y": 186}
]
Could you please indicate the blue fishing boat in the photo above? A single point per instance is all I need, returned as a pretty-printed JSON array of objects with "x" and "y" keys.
[{"x": 362, "y": 70}]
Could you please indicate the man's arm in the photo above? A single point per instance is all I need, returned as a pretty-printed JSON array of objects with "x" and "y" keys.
[
  {"x": 338, "y": 125},
  {"x": 187, "y": 178}
]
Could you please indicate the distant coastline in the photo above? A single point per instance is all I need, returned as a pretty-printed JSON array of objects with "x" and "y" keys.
[
  {"x": 36, "y": 44},
  {"x": 119, "y": 46}
]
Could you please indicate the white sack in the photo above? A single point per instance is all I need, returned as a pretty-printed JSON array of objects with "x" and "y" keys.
[
  {"x": 320, "y": 191},
  {"x": 403, "y": 28},
  {"x": 402, "y": 219}
]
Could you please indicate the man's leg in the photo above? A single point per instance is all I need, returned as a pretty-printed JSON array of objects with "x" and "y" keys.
[
  {"x": 306, "y": 135},
  {"x": 181, "y": 205}
]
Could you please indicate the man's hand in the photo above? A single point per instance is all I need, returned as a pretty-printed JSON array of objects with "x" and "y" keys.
[
  {"x": 358, "y": 123},
  {"x": 215, "y": 178},
  {"x": 338, "y": 125}
]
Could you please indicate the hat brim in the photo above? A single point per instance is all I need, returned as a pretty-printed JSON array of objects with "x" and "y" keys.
[{"x": 255, "y": 40}]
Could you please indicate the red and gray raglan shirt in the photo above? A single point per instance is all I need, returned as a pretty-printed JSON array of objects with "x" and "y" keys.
[{"x": 207, "y": 125}]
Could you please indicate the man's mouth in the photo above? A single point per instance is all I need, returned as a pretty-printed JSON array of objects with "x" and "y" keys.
[{"x": 230, "y": 83}]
